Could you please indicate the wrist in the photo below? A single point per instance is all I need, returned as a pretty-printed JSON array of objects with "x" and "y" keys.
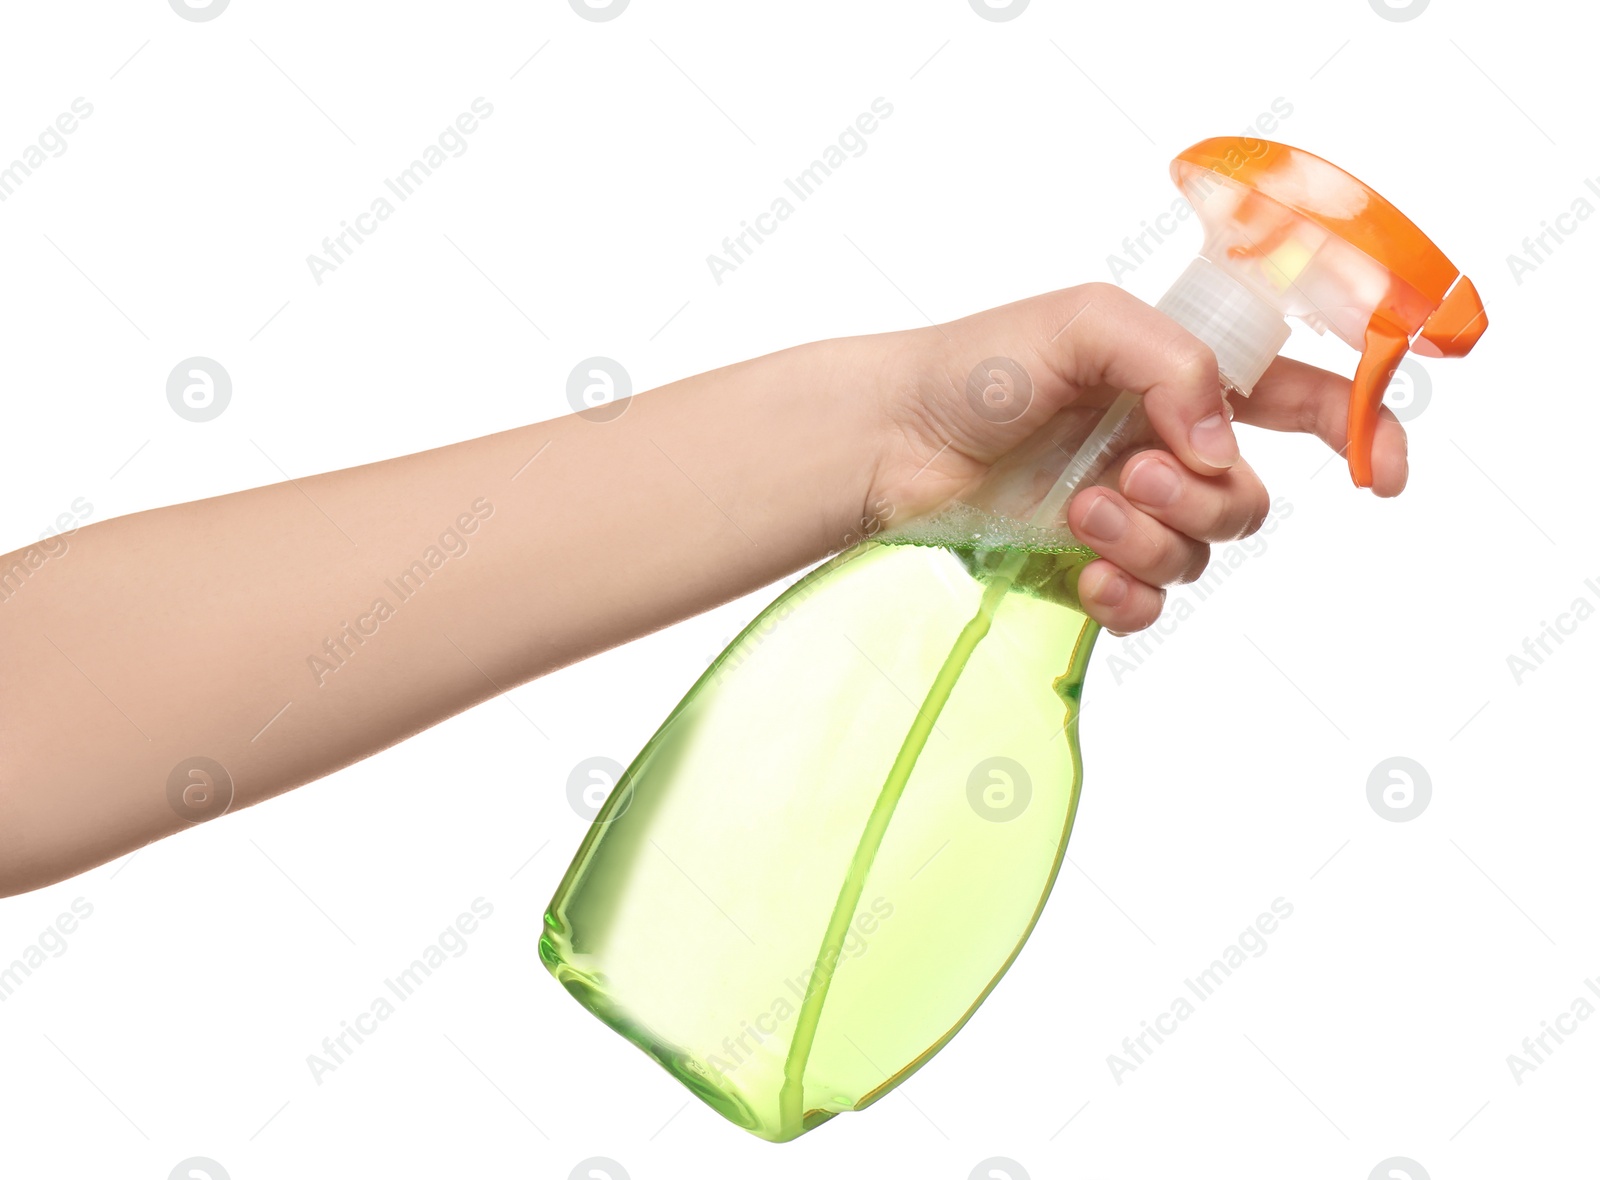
[{"x": 866, "y": 383}]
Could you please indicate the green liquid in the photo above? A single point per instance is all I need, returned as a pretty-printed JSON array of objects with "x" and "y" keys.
[{"x": 837, "y": 843}]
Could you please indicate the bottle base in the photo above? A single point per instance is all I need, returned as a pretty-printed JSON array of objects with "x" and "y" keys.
[{"x": 696, "y": 1075}]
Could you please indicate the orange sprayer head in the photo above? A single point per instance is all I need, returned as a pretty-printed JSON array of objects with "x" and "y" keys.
[{"x": 1321, "y": 246}]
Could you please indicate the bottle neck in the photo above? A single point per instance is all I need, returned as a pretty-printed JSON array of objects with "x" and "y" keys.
[{"x": 1241, "y": 328}]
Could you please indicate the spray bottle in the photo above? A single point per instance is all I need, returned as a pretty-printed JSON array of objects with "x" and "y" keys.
[{"x": 838, "y": 842}]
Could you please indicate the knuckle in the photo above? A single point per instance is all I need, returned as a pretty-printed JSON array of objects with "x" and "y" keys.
[
  {"x": 1146, "y": 614},
  {"x": 1108, "y": 298},
  {"x": 1221, "y": 520},
  {"x": 1195, "y": 566},
  {"x": 1259, "y": 506},
  {"x": 1173, "y": 557},
  {"x": 1102, "y": 291},
  {"x": 1191, "y": 379},
  {"x": 1193, "y": 363},
  {"x": 1324, "y": 411}
]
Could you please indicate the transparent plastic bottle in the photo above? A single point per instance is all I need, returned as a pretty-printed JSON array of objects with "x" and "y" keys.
[{"x": 839, "y": 841}]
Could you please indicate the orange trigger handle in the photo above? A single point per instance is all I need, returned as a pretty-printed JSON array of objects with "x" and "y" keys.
[
  {"x": 1312, "y": 242},
  {"x": 1386, "y": 344}
]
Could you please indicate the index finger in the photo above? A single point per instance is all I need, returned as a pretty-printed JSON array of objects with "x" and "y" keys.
[{"x": 1294, "y": 396}]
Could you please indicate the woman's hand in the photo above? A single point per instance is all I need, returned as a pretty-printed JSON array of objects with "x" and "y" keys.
[
  {"x": 305, "y": 645},
  {"x": 1081, "y": 347}
]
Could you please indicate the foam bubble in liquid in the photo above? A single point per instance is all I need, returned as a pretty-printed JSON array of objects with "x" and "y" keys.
[{"x": 961, "y": 526}]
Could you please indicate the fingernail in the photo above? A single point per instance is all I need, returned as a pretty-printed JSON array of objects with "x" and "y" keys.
[
  {"x": 1212, "y": 439},
  {"x": 1152, "y": 483},
  {"x": 1106, "y": 521},
  {"x": 1111, "y": 589}
]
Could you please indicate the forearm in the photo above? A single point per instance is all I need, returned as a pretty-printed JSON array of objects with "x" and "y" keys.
[{"x": 292, "y": 629}]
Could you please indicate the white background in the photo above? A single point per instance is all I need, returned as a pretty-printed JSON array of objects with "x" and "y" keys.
[{"x": 1229, "y": 769}]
